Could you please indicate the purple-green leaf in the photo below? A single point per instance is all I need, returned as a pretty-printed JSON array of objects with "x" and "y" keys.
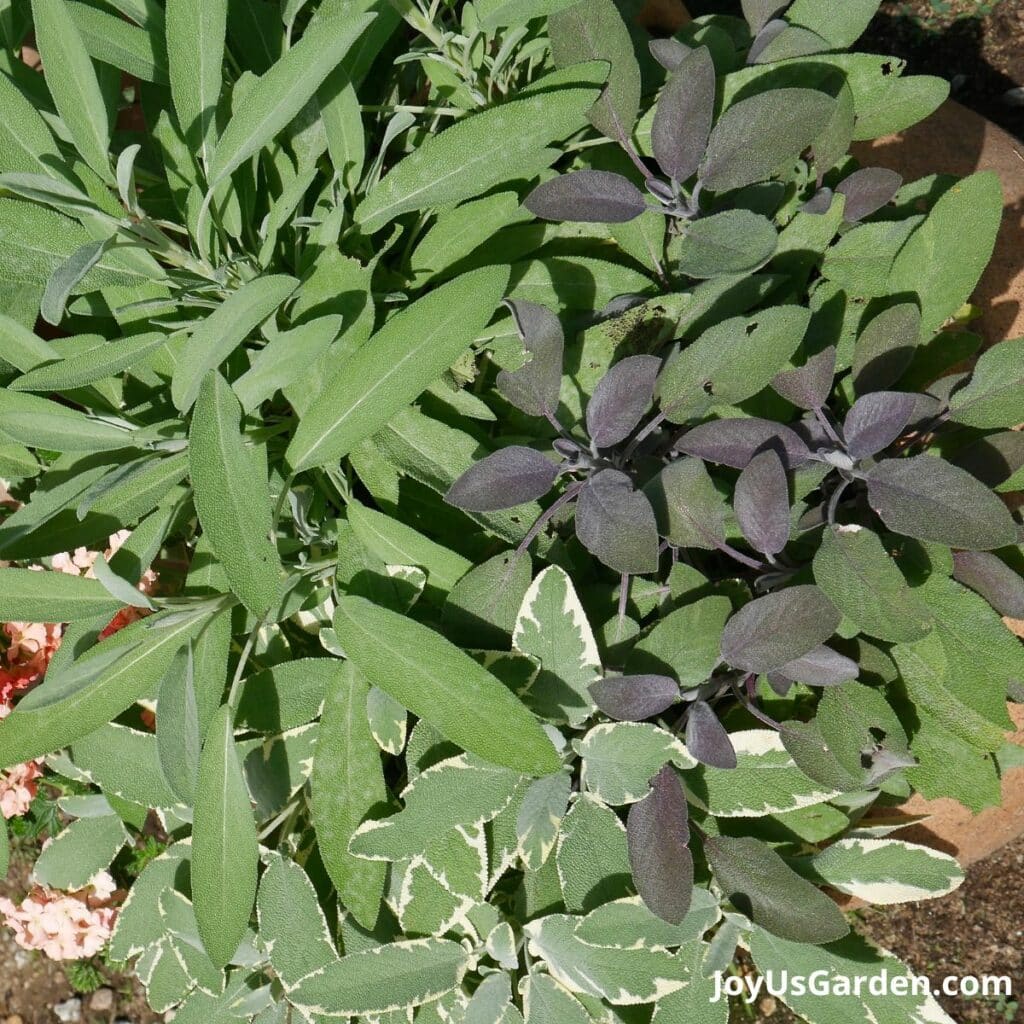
[
  {"x": 706, "y": 738},
  {"x": 760, "y": 884},
  {"x": 657, "y": 835},
  {"x": 534, "y": 387},
  {"x": 886, "y": 347},
  {"x": 734, "y": 442},
  {"x": 761, "y": 503},
  {"x": 616, "y": 524},
  {"x": 771, "y": 631},
  {"x": 867, "y": 191},
  {"x": 820, "y": 667},
  {"x": 808, "y": 386},
  {"x": 927, "y": 498},
  {"x": 621, "y": 398},
  {"x": 506, "y": 478},
  {"x": 876, "y": 420},
  {"x": 684, "y": 114},
  {"x": 634, "y": 698},
  {"x": 991, "y": 577},
  {"x": 600, "y": 196},
  {"x": 762, "y": 134}
]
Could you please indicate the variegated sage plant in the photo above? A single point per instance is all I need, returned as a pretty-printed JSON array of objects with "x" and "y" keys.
[{"x": 575, "y": 527}]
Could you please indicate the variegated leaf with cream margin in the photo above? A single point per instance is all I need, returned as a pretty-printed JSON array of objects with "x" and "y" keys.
[
  {"x": 764, "y": 781},
  {"x": 460, "y": 791},
  {"x": 850, "y": 965},
  {"x": 384, "y": 978},
  {"x": 622, "y": 977},
  {"x": 619, "y": 758},
  {"x": 540, "y": 814},
  {"x": 885, "y": 871},
  {"x": 625, "y": 923},
  {"x": 553, "y": 628}
]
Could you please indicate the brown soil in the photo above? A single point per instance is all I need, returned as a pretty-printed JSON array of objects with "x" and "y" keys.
[{"x": 976, "y": 45}]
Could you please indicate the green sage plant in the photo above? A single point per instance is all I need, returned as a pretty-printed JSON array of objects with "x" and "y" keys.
[{"x": 575, "y": 529}]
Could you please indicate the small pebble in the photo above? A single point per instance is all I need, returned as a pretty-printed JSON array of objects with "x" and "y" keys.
[
  {"x": 1014, "y": 98},
  {"x": 15, "y": 1018},
  {"x": 102, "y": 1000},
  {"x": 69, "y": 1011}
]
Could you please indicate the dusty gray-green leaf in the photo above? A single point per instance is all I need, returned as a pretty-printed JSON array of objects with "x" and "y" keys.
[
  {"x": 75, "y": 371},
  {"x": 279, "y": 95},
  {"x": 96, "y": 688},
  {"x": 759, "y": 883},
  {"x": 966, "y": 218},
  {"x": 232, "y": 497},
  {"x": 401, "y": 360},
  {"x": 478, "y": 152},
  {"x": 195, "y": 52},
  {"x": 440, "y": 683},
  {"x": 731, "y": 242},
  {"x": 72, "y": 82},
  {"x": 285, "y": 696},
  {"x": 41, "y": 423},
  {"x": 595, "y": 30},
  {"x": 177, "y": 729},
  {"x": 994, "y": 396},
  {"x": 347, "y": 784},
  {"x": 591, "y": 855},
  {"x": 864, "y": 583},
  {"x": 67, "y": 277},
  {"x": 225, "y": 853},
  {"x": 216, "y": 337},
  {"x": 759, "y": 136},
  {"x": 52, "y": 597}
]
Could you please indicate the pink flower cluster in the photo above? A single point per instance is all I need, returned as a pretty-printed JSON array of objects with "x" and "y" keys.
[
  {"x": 64, "y": 925},
  {"x": 18, "y": 788}
]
